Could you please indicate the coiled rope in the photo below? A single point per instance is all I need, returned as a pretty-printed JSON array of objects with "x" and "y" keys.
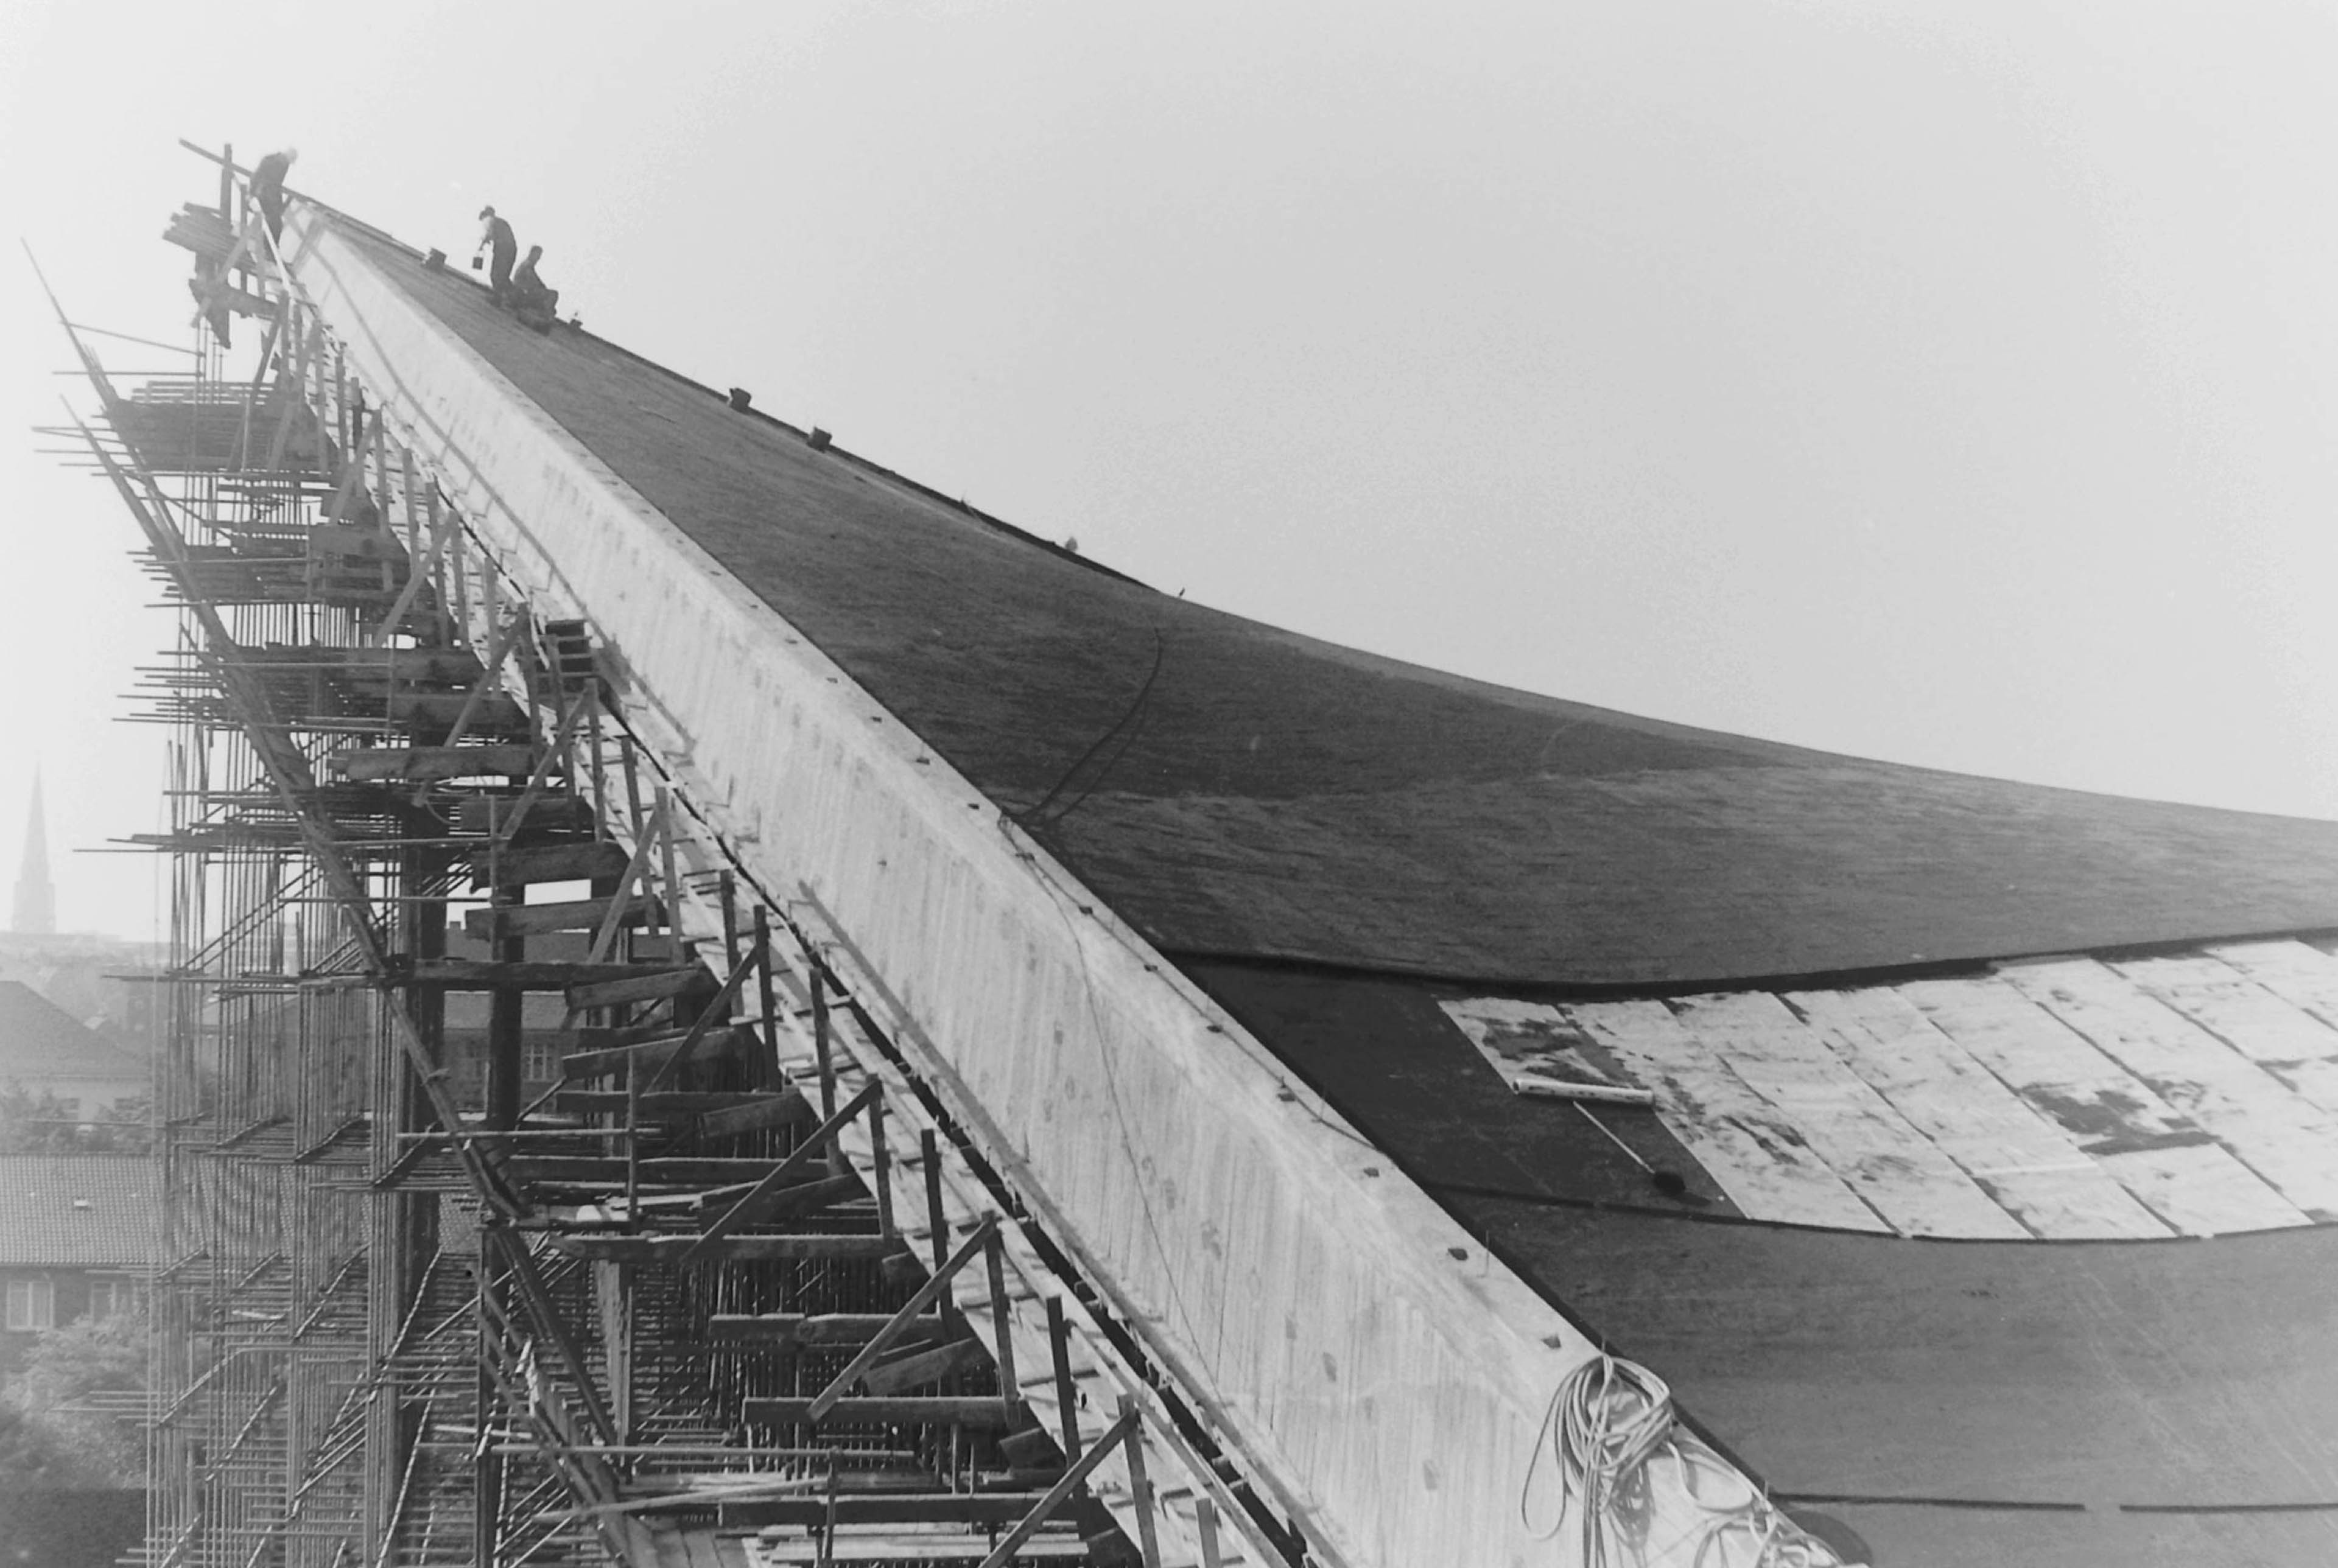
[{"x": 1605, "y": 1420}]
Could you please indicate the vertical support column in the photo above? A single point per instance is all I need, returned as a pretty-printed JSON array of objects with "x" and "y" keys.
[
  {"x": 487, "y": 1461},
  {"x": 503, "y": 1016}
]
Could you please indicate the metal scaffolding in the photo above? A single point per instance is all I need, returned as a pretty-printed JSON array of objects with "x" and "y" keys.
[{"x": 537, "y": 1191}]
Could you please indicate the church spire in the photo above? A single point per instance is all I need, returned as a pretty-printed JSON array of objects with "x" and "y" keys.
[{"x": 36, "y": 899}]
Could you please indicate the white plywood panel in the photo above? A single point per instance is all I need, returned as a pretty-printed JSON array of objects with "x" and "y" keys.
[
  {"x": 2220, "y": 998},
  {"x": 2300, "y": 973},
  {"x": 2315, "y": 1082},
  {"x": 1900, "y": 1172},
  {"x": 2049, "y": 1065},
  {"x": 2202, "y": 1191},
  {"x": 1528, "y": 1041},
  {"x": 2291, "y": 1144},
  {"x": 1757, "y": 1154},
  {"x": 2031, "y": 1165}
]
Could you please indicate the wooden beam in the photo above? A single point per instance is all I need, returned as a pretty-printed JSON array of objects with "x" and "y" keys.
[
  {"x": 678, "y": 1170},
  {"x": 497, "y": 715},
  {"x": 605, "y": 934},
  {"x": 900, "y": 1409},
  {"x": 639, "y": 986},
  {"x": 785, "y": 1108},
  {"x": 788, "y": 1108},
  {"x": 483, "y": 975},
  {"x": 649, "y": 1053},
  {"x": 713, "y": 1013},
  {"x": 887, "y": 1508},
  {"x": 675, "y": 1250},
  {"x": 925, "y": 1297},
  {"x": 922, "y": 1367},
  {"x": 564, "y": 915},
  {"x": 551, "y": 863},
  {"x": 743, "y": 1213},
  {"x": 798, "y": 1197},
  {"x": 820, "y": 1328},
  {"x": 383, "y": 764}
]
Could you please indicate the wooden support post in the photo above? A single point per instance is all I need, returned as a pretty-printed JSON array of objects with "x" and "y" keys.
[
  {"x": 926, "y": 1294},
  {"x": 406, "y": 488},
  {"x": 726, "y": 891},
  {"x": 461, "y": 573},
  {"x": 828, "y": 1524},
  {"x": 1067, "y": 1396},
  {"x": 765, "y": 994},
  {"x": 487, "y": 1464},
  {"x": 490, "y": 610},
  {"x": 672, "y": 878},
  {"x": 880, "y": 1167},
  {"x": 1205, "y": 1525},
  {"x": 819, "y": 1035},
  {"x": 1123, "y": 1430},
  {"x": 937, "y": 1221},
  {"x": 634, "y": 1145},
  {"x": 504, "y": 1052},
  {"x": 994, "y": 1258},
  {"x": 601, "y": 812},
  {"x": 1140, "y": 1486},
  {"x": 326, "y": 407},
  {"x": 381, "y": 483}
]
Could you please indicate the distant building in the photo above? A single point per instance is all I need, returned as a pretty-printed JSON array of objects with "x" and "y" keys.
[
  {"x": 35, "y": 911},
  {"x": 103, "y": 982},
  {"x": 45, "y": 1050},
  {"x": 77, "y": 1240}
]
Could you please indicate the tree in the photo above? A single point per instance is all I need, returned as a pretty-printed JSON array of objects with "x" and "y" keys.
[{"x": 49, "y": 1399}]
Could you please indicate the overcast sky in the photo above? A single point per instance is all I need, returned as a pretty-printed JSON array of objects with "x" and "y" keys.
[{"x": 1947, "y": 384}]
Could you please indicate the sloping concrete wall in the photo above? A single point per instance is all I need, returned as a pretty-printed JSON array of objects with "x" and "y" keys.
[{"x": 1336, "y": 1324}]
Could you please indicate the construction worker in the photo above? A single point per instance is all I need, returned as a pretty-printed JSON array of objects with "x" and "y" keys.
[
  {"x": 496, "y": 236},
  {"x": 267, "y": 188},
  {"x": 531, "y": 301}
]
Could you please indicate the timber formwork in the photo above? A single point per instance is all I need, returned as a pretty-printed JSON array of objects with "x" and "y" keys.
[{"x": 538, "y": 1189}]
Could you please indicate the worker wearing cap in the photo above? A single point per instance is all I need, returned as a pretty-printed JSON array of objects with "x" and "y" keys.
[{"x": 496, "y": 236}]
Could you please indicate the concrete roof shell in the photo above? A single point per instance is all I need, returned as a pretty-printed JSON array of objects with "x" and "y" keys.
[{"x": 1266, "y": 795}]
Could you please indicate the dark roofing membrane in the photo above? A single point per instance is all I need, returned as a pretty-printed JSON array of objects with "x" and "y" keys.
[{"x": 1271, "y": 796}]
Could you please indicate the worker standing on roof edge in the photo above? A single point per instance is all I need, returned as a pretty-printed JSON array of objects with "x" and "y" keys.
[
  {"x": 496, "y": 236},
  {"x": 267, "y": 188}
]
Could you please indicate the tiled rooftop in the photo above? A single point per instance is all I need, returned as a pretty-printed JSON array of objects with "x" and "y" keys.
[{"x": 86, "y": 1212}]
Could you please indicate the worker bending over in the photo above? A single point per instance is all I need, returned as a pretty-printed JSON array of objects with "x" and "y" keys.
[{"x": 531, "y": 301}]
